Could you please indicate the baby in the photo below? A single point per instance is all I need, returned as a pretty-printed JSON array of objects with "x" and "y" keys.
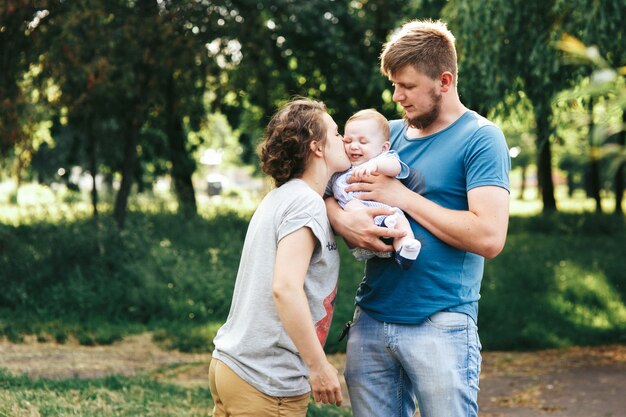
[{"x": 366, "y": 141}]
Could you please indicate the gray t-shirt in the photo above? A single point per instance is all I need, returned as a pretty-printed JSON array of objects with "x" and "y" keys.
[{"x": 253, "y": 341}]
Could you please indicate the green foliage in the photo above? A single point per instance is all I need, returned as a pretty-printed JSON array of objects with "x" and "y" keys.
[
  {"x": 164, "y": 268},
  {"x": 558, "y": 282},
  {"x": 320, "y": 410},
  {"x": 186, "y": 338}
]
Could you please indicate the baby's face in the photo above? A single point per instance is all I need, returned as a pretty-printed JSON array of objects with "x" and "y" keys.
[{"x": 363, "y": 140}]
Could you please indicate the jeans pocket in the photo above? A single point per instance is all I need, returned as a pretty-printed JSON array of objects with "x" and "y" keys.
[{"x": 447, "y": 320}]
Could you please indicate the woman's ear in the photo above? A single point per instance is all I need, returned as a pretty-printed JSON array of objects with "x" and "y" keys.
[{"x": 316, "y": 148}]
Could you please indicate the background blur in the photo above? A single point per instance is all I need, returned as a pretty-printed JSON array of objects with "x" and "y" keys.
[{"x": 128, "y": 167}]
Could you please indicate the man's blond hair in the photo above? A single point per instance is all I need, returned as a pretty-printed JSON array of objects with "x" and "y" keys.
[
  {"x": 426, "y": 45},
  {"x": 371, "y": 114}
]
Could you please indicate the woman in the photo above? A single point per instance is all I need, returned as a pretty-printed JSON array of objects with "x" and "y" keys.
[{"x": 287, "y": 280}]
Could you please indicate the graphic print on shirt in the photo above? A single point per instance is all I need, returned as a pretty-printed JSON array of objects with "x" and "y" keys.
[{"x": 322, "y": 327}]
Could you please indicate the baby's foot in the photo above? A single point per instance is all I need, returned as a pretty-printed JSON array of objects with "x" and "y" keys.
[
  {"x": 408, "y": 252},
  {"x": 391, "y": 221}
]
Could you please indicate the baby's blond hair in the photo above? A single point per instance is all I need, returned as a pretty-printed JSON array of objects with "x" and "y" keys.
[{"x": 371, "y": 114}]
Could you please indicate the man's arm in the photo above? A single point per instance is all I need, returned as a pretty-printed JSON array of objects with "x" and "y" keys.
[{"x": 481, "y": 229}]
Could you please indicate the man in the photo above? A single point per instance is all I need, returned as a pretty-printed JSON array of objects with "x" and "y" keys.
[{"x": 414, "y": 335}]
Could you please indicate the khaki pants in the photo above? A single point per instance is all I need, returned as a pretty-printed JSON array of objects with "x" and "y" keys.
[{"x": 234, "y": 397}]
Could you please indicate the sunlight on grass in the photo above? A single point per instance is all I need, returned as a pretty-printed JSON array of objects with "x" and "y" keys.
[
  {"x": 586, "y": 297},
  {"x": 113, "y": 396},
  {"x": 531, "y": 205},
  {"x": 36, "y": 203}
]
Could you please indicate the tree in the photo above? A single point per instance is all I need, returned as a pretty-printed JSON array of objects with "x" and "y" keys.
[
  {"x": 500, "y": 55},
  {"x": 514, "y": 116},
  {"x": 129, "y": 68},
  {"x": 319, "y": 49},
  {"x": 600, "y": 23},
  {"x": 604, "y": 82},
  {"x": 20, "y": 24}
]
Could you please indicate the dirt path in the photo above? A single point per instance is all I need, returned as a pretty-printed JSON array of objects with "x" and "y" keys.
[{"x": 575, "y": 382}]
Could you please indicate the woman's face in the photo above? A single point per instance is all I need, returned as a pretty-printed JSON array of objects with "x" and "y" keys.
[{"x": 336, "y": 157}]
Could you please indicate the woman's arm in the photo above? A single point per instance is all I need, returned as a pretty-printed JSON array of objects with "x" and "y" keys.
[{"x": 292, "y": 262}]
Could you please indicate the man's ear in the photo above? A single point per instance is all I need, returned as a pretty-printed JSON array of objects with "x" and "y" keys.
[{"x": 447, "y": 81}]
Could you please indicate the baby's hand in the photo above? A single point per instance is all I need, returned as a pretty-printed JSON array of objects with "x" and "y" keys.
[{"x": 364, "y": 170}]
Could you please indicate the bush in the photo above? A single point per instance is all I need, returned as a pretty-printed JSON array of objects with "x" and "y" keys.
[{"x": 558, "y": 282}]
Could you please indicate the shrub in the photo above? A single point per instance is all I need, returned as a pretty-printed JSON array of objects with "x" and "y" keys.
[{"x": 558, "y": 282}]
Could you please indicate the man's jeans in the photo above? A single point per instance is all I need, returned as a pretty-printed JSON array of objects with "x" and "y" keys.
[{"x": 391, "y": 366}]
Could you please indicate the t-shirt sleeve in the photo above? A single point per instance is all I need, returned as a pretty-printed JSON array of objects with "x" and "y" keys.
[
  {"x": 404, "y": 168},
  {"x": 303, "y": 212},
  {"x": 487, "y": 160}
]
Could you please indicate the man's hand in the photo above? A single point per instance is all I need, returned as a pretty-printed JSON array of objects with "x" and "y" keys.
[
  {"x": 381, "y": 188},
  {"x": 324, "y": 382},
  {"x": 358, "y": 228}
]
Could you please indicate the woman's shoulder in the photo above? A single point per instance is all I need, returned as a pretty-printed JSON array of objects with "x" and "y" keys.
[{"x": 298, "y": 195}]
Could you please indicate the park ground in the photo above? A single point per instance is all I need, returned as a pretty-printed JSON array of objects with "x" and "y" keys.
[{"x": 571, "y": 382}]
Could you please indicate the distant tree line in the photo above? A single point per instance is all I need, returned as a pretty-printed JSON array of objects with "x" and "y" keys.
[{"x": 116, "y": 86}]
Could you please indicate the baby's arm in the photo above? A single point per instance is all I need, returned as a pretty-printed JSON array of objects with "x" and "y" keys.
[{"x": 388, "y": 166}]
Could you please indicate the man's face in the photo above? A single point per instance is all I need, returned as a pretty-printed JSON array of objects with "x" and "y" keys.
[
  {"x": 418, "y": 95},
  {"x": 363, "y": 140}
]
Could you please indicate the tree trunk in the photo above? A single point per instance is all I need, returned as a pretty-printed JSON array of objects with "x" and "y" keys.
[
  {"x": 183, "y": 166},
  {"x": 594, "y": 163},
  {"x": 137, "y": 114},
  {"x": 619, "y": 174},
  {"x": 570, "y": 183},
  {"x": 128, "y": 170},
  {"x": 93, "y": 166},
  {"x": 522, "y": 189},
  {"x": 544, "y": 162}
]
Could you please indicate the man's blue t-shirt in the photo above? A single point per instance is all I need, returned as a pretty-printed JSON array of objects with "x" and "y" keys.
[{"x": 470, "y": 153}]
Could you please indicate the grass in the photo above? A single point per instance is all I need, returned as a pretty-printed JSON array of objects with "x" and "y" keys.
[
  {"x": 559, "y": 282},
  {"x": 111, "y": 396},
  {"x": 21, "y": 396}
]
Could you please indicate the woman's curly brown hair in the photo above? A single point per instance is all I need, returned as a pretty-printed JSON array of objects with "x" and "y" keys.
[{"x": 285, "y": 150}]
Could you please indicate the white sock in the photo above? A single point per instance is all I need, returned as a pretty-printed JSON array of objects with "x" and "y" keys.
[
  {"x": 410, "y": 249},
  {"x": 391, "y": 221}
]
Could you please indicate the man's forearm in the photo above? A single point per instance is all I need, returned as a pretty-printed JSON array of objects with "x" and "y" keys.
[{"x": 481, "y": 229}]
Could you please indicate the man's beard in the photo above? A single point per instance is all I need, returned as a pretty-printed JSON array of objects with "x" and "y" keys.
[{"x": 424, "y": 120}]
